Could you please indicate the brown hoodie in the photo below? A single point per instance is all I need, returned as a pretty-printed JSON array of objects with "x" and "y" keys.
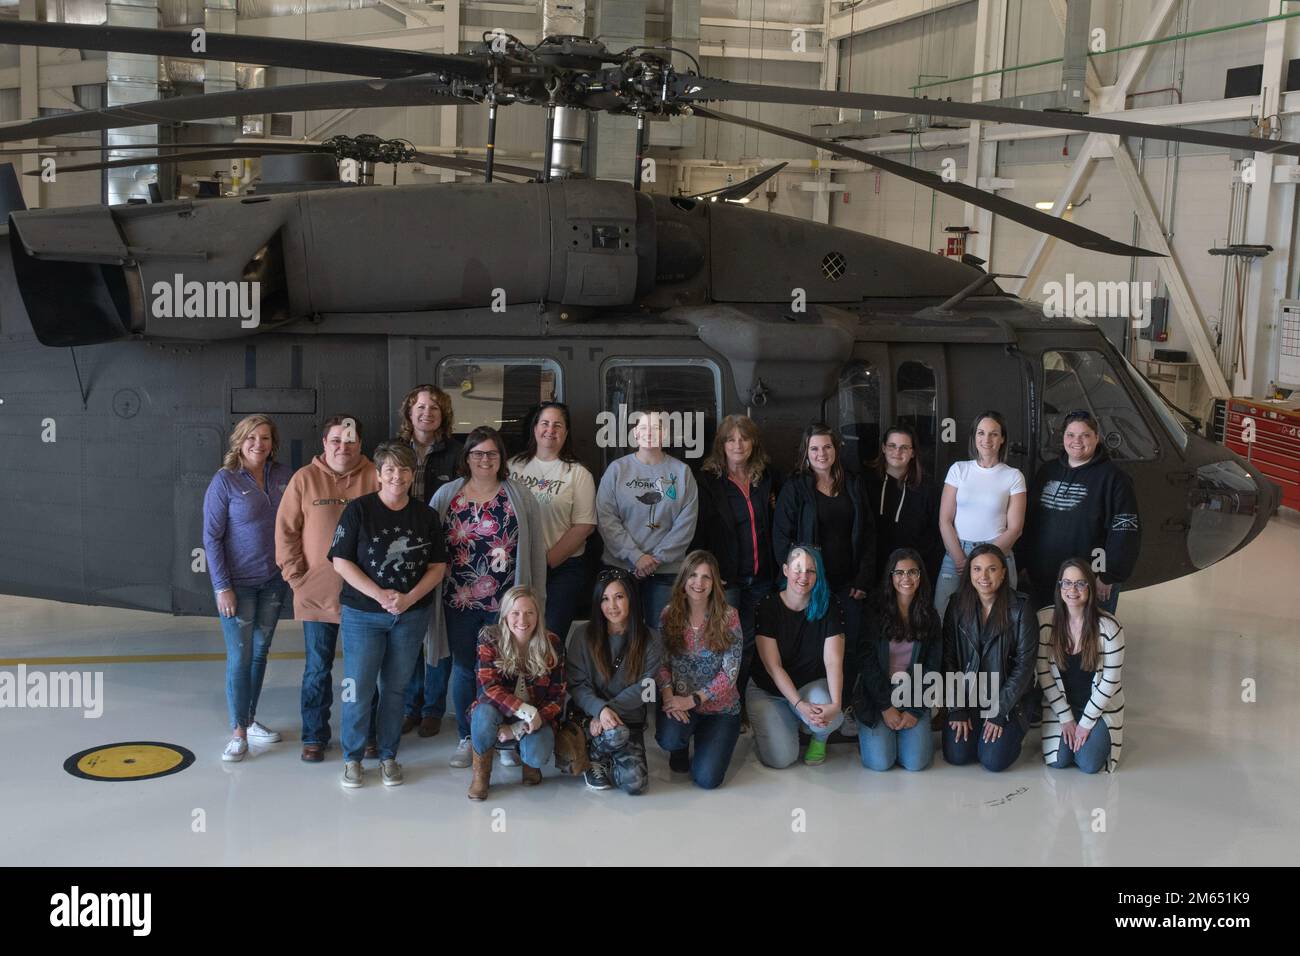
[{"x": 304, "y": 528}]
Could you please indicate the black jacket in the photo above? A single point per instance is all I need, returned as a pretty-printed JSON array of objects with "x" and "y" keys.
[
  {"x": 440, "y": 464},
  {"x": 874, "y": 691},
  {"x": 1010, "y": 653},
  {"x": 917, "y": 526},
  {"x": 1072, "y": 511},
  {"x": 796, "y": 522},
  {"x": 716, "y": 530}
]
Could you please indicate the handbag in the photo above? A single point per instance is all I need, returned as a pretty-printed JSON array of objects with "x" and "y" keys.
[{"x": 571, "y": 756}]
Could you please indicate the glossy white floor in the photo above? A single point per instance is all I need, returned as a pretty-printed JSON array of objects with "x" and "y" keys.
[{"x": 1207, "y": 778}]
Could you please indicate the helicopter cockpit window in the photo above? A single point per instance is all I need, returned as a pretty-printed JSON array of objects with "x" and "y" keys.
[
  {"x": 497, "y": 392},
  {"x": 857, "y": 414},
  {"x": 689, "y": 390},
  {"x": 916, "y": 400},
  {"x": 1085, "y": 379}
]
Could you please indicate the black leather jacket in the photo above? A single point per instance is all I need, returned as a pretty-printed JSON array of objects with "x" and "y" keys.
[{"x": 1009, "y": 653}]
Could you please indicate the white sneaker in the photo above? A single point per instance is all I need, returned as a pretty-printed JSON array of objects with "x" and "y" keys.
[
  {"x": 850, "y": 726},
  {"x": 390, "y": 771},
  {"x": 353, "y": 776},
  {"x": 262, "y": 735},
  {"x": 464, "y": 755},
  {"x": 236, "y": 749},
  {"x": 509, "y": 758}
]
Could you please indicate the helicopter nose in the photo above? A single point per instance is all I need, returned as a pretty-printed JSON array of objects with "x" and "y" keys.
[{"x": 1231, "y": 503}]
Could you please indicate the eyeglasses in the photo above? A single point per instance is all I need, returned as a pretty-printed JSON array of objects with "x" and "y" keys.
[
  {"x": 906, "y": 572},
  {"x": 894, "y": 446},
  {"x": 485, "y": 455},
  {"x": 1078, "y": 587}
]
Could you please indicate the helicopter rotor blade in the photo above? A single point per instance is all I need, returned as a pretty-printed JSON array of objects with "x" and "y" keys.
[
  {"x": 168, "y": 158},
  {"x": 742, "y": 189},
  {"x": 472, "y": 165},
  {"x": 342, "y": 94},
  {"x": 121, "y": 147},
  {"x": 1060, "y": 228},
  {"x": 694, "y": 88},
  {"x": 266, "y": 51}
]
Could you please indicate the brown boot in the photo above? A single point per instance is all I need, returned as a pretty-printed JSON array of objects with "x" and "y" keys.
[
  {"x": 478, "y": 786},
  {"x": 430, "y": 726},
  {"x": 409, "y": 723},
  {"x": 532, "y": 776}
]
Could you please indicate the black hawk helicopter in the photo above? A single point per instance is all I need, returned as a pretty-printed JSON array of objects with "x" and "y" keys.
[{"x": 117, "y": 403}]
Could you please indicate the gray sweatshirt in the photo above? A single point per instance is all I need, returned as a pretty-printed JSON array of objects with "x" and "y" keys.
[
  {"x": 623, "y": 691},
  {"x": 647, "y": 509}
]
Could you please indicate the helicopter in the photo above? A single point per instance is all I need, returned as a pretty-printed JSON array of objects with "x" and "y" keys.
[{"x": 129, "y": 348}]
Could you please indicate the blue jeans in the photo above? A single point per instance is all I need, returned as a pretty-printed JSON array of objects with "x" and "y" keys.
[
  {"x": 776, "y": 724},
  {"x": 656, "y": 592},
  {"x": 462, "y": 635},
  {"x": 426, "y": 693},
  {"x": 320, "y": 639},
  {"x": 949, "y": 580},
  {"x": 378, "y": 646},
  {"x": 996, "y": 756},
  {"x": 911, "y": 749},
  {"x": 715, "y": 739},
  {"x": 744, "y": 595},
  {"x": 535, "y": 749},
  {"x": 248, "y": 642},
  {"x": 565, "y": 586},
  {"x": 1093, "y": 756}
]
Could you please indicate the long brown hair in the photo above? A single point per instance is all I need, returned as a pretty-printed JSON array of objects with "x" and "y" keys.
[
  {"x": 968, "y": 599},
  {"x": 677, "y": 615},
  {"x": 1090, "y": 641},
  {"x": 597, "y": 636},
  {"x": 922, "y": 619},
  {"x": 566, "y": 455},
  {"x": 716, "y": 463},
  {"x": 837, "y": 469},
  {"x": 246, "y": 427},
  {"x": 406, "y": 432}
]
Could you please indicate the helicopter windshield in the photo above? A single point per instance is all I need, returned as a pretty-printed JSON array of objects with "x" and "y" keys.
[
  {"x": 1158, "y": 404},
  {"x": 1085, "y": 379}
]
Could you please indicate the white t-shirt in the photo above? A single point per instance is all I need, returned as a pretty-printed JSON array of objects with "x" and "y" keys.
[
  {"x": 565, "y": 491},
  {"x": 982, "y": 497}
]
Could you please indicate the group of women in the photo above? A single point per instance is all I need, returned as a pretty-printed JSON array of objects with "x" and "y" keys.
[{"x": 827, "y": 602}]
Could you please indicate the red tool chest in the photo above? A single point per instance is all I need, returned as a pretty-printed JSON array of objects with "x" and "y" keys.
[{"x": 1276, "y": 448}]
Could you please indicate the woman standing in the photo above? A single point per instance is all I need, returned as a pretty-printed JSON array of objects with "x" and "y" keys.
[
  {"x": 703, "y": 641},
  {"x": 239, "y": 540},
  {"x": 494, "y": 542},
  {"x": 904, "y": 502},
  {"x": 827, "y": 506},
  {"x": 566, "y": 499},
  {"x": 738, "y": 489},
  {"x": 610, "y": 667},
  {"x": 646, "y": 509},
  {"x": 388, "y": 549},
  {"x": 1080, "y": 656},
  {"x": 983, "y": 503},
  {"x": 904, "y": 636},
  {"x": 988, "y": 641},
  {"x": 801, "y": 652},
  {"x": 520, "y": 690}
]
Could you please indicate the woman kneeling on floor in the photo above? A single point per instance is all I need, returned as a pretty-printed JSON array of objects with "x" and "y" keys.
[
  {"x": 1080, "y": 655},
  {"x": 612, "y": 668},
  {"x": 703, "y": 644},
  {"x": 520, "y": 690},
  {"x": 800, "y": 639}
]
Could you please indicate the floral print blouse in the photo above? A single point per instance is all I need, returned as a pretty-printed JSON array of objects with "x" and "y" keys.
[{"x": 482, "y": 543}]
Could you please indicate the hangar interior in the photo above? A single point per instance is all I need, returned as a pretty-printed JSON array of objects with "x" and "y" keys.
[{"x": 1213, "y": 656}]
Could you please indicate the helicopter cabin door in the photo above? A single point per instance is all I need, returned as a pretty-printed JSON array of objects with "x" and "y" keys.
[{"x": 919, "y": 397}]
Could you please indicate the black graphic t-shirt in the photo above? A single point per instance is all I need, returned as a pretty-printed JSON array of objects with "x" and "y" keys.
[{"x": 393, "y": 548}]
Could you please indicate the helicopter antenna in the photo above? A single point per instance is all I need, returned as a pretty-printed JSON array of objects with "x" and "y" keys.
[{"x": 970, "y": 290}]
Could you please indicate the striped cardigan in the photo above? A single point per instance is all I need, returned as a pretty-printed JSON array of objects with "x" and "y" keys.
[{"x": 1107, "y": 699}]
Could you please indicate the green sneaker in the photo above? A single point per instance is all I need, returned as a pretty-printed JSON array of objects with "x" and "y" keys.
[{"x": 815, "y": 755}]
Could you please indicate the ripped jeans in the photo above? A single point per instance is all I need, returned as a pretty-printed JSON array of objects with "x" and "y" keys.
[{"x": 248, "y": 642}]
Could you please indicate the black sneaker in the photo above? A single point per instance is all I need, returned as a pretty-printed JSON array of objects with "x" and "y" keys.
[
  {"x": 679, "y": 761},
  {"x": 597, "y": 776}
]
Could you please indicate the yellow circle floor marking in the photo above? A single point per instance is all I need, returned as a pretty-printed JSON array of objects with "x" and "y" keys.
[{"x": 135, "y": 760}]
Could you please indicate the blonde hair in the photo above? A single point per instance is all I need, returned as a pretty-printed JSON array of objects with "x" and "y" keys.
[
  {"x": 245, "y": 428},
  {"x": 677, "y": 615},
  {"x": 716, "y": 463},
  {"x": 539, "y": 656}
]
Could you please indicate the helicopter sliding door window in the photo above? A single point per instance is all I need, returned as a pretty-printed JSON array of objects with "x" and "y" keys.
[
  {"x": 689, "y": 390},
  {"x": 1085, "y": 379},
  {"x": 916, "y": 403},
  {"x": 497, "y": 391},
  {"x": 857, "y": 414}
]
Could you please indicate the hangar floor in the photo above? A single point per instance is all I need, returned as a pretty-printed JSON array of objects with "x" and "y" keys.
[{"x": 1207, "y": 778}]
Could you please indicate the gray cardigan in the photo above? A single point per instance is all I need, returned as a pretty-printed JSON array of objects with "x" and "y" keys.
[{"x": 530, "y": 558}]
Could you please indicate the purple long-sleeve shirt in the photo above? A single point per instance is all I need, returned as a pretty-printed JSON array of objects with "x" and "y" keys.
[{"x": 239, "y": 526}]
